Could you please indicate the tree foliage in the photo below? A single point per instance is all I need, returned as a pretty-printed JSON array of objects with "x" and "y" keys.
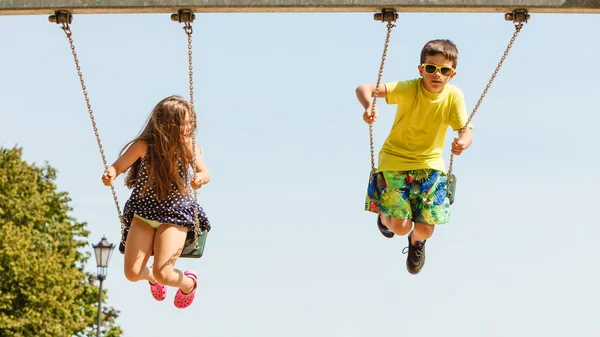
[{"x": 44, "y": 290}]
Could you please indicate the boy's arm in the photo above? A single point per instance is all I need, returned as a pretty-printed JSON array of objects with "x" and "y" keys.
[
  {"x": 458, "y": 119},
  {"x": 365, "y": 92},
  {"x": 462, "y": 143}
]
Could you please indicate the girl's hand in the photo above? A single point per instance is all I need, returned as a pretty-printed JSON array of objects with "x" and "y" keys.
[
  {"x": 198, "y": 180},
  {"x": 109, "y": 176}
]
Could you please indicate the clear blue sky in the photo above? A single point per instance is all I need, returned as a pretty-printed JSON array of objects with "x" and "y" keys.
[{"x": 292, "y": 253}]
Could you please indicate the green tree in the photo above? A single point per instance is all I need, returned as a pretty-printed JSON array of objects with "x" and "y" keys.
[{"x": 44, "y": 290}]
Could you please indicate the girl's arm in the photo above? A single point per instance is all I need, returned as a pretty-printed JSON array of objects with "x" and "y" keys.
[
  {"x": 136, "y": 151},
  {"x": 201, "y": 165},
  {"x": 202, "y": 176}
]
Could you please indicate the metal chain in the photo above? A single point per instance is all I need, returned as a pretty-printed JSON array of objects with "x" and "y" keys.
[
  {"x": 69, "y": 34},
  {"x": 188, "y": 30},
  {"x": 390, "y": 25},
  {"x": 518, "y": 27}
]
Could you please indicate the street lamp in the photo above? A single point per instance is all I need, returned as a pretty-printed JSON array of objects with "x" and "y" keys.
[{"x": 103, "y": 251}]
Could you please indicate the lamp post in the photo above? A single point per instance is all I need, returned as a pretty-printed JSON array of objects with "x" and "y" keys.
[{"x": 103, "y": 251}]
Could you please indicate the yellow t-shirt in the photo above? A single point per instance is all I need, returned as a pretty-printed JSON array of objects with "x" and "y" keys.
[{"x": 417, "y": 137}]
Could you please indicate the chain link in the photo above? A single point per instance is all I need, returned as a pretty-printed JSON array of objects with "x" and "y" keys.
[
  {"x": 390, "y": 25},
  {"x": 189, "y": 31},
  {"x": 518, "y": 27},
  {"x": 69, "y": 34}
]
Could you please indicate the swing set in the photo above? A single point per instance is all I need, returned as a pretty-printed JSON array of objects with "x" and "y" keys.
[
  {"x": 517, "y": 16},
  {"x": 196, "y": 240},
  {"x": 386, "y": 11}
]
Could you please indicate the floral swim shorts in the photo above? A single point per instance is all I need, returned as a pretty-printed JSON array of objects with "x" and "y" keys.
[{"x": 419, "y": 195}]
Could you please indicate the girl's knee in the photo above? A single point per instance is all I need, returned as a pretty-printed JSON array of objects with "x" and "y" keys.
[
  {"x": 133, "y": 275},
  {"x": 162, "y": 274}
]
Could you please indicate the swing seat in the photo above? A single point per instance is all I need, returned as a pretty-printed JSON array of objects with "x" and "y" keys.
[
  {"x": 189, "y": 248},
  {"x": 452, "y": 189}
]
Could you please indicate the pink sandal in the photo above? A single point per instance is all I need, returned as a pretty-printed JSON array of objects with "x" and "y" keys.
[
  {"x": 159, "y": 291},
  {"x": 182, "y": 300}
]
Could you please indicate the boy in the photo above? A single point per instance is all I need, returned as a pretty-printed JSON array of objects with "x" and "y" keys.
[{"x": 410, "y": 183}]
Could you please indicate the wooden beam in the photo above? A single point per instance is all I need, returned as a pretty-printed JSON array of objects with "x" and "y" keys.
[{"x": 38, "y": 7}]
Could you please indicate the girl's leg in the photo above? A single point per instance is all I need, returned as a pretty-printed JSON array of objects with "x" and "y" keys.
[
  {"x": 168, "y": 244},
  {"x": 138, "y": 249}
]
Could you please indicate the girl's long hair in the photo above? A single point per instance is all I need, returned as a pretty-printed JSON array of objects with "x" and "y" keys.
[{"x": 167, "y": 148}]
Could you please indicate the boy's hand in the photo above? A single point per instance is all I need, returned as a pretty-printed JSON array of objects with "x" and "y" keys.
[
  {"x": 109, "y": 176},
  {"x": 459, "y": 145},
  {"x": 368, "y": 118},
  {"x": 198, "y": 180}
]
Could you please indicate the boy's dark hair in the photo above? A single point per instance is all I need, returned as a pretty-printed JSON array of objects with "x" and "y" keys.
[{"x": 444, "y": 47}]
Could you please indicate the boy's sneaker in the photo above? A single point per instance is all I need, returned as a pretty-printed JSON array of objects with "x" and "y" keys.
[
  {"x": 416, "y": 256},
  {"x": 384, "y": 230}
]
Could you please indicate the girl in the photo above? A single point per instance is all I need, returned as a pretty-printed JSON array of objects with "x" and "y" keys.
[{"x": 160, "y": 211}]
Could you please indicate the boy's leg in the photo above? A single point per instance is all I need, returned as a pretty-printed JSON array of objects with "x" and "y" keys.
[
  {"x": 422, "y": 232},
  {"x": 168, "y": 245},
  {"x": 431, "y": 208},
  {"x": 387, "y": 195},
  {"x": 416, "y": 247},
  {"x": 138, "y": 249},
  {"x": 383, "y": 229},
  {"x": 397, "y": 226}
]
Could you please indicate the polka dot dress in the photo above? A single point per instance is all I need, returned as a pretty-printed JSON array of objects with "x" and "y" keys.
[{"x": 177, "y": 209}]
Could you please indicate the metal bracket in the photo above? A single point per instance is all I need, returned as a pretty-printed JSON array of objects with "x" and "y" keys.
[
  {"x": 517, "y": 16},
  {"x": 183, "y": 15},
  {"x": 61, "y": 17},
  {"x": 387, "y": 14}
]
